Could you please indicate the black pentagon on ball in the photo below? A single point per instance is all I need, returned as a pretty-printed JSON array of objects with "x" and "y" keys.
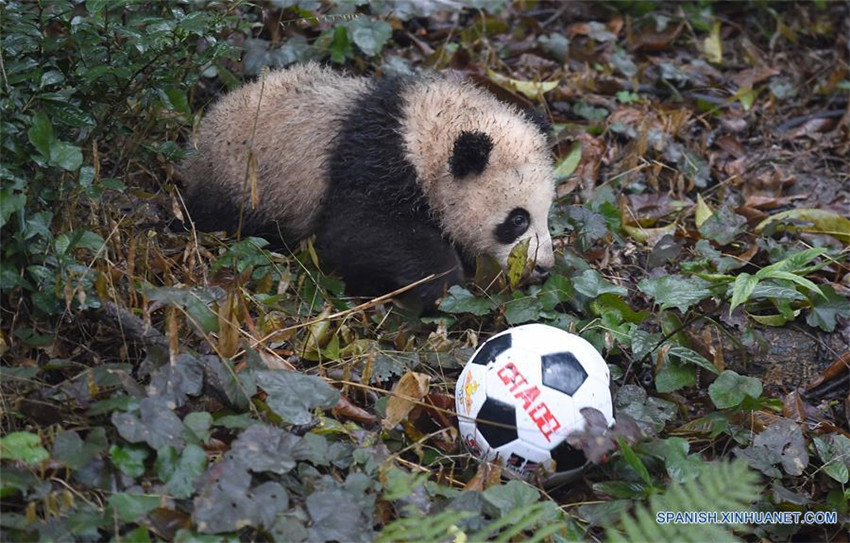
[
  {"x": 492, "y": 348},
  {"x": 563, "y": 372},
  {"x": 504, "y": 417},
  {"x": 567, "y": 458}
]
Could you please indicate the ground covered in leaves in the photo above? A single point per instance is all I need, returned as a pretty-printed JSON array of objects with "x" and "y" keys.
[{"x": 160, "y": 383}]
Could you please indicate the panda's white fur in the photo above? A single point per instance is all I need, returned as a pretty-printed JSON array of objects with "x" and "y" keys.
[
  {"x": 300, "y": 112},
  {"x": 518, "y": 174},
  {"x": 378, "y": 170}
]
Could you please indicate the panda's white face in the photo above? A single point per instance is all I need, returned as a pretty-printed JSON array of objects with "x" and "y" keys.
[
  {"x": 494, "y": 197},
  {"x": 520, "y": 212},
  {"x": 484, "y": 168}
]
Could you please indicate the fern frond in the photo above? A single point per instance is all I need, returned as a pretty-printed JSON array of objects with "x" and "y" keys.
[
  {"x": 434, "y": 528},
  {"x": 533, "y": 523},
  {"x": 520, "y": 520},
  {"x": 719, "y": 487}
]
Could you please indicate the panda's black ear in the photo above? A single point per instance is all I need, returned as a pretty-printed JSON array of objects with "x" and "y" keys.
[
  {"x": 540, "y": 120},
  {"x": 470, "y": 154}
]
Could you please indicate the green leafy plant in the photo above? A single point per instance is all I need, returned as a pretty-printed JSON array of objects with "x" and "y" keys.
[
  {"x": 80, "y": 79},
  {"x": 721, "y": 486},
  {"x": 791, "y": 269}
]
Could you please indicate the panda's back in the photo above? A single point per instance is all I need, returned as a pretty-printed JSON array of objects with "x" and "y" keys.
[{"x": 284, "y": 123}]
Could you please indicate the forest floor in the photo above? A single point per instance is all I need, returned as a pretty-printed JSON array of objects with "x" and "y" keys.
[{"x": 160, "y": 383}]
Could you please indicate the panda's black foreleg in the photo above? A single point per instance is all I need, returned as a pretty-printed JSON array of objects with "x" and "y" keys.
[{"x": 378, "y": 255}]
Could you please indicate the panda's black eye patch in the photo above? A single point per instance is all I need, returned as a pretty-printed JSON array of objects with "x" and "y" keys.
[{"x": 515, "y": 225}]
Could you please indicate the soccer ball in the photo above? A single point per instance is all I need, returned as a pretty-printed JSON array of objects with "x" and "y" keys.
[{"x": 520, "y": 396}]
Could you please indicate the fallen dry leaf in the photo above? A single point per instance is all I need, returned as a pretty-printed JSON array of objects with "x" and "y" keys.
[
  {"x": 811, "y": 129},
  {"x": 275, "y": 360},
  {"x": 649, "y": 39},
  {"x": 346, "y": 408},
  {"x": 592, "y": 151},
  {"x": 816, "y": 221},
  {"x": 488, "y": 474},
  {"x": 731, "y": 145},
  {"x": 748, "y": 78},
  {"x": 411, "y": 388},
  {"x": 772, "y": 202},
  {"x": 836, "y": 369}
]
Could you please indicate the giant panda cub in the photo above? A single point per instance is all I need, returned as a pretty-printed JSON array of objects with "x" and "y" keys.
[{"x": 397, "y": 178}]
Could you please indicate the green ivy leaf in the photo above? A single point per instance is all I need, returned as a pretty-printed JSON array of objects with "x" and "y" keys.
[
  {"x": 834, "y": 451},
  {"x": 139, "y": 535},
  {"x": 155, "y": 424},
  {"x": 642, "y": 343},
  {"x": 265, "y": 448},
  {"x": 244, "y": 254},
  {"x": 592, "y": 114},
  {"x": 557, "y": 289},
  {"x": 513, "y": 495},
  {"x": 175, "y": 383},
  {"x": 681, "y": 466},
  {"x": 592, "y": 284},
  {"x": 627, "y": 97},
  {"x": 339, "y": 515},
  {"x": 614, "y": 306},
  {"x": 460, "y": 300},
  {"x": 23, "y": 446},
  {"x": 198, "y": 423},
  {"x": 675, "y": 291},
  {"x": 522, "y": 309},
  {"x": 730, "y": 389},
  {"x": 722, "y": 263},
  {"x": 674, "y": 375},
  {"x": 179, "y": 471},
  {"x": 86, "y": 239},
  {"x": 68, "y": 114},
  {"x": 71, "y": 450},
  {"x": 781, "y": 442},
  {"x": 17, "y": 482},
  {"x": 130, "y": 459},
  {"x": 238, "y": 387},
  {"x": 401, "y": 483},
  {"x": 723, "y": 226},
  {"x": 292, "y": 395},
  {"x": 370, "y": 35},
  {"x": 227, "y": 503},
  {"x": 649, "y": 412},
  {"x": 825, "y": 310},
  {"x": 118, "y": 402},
  {"x": 129, "y": 507}
]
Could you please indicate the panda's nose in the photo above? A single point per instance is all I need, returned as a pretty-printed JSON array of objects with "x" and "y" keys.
[{"x": 541, "y": 272}]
